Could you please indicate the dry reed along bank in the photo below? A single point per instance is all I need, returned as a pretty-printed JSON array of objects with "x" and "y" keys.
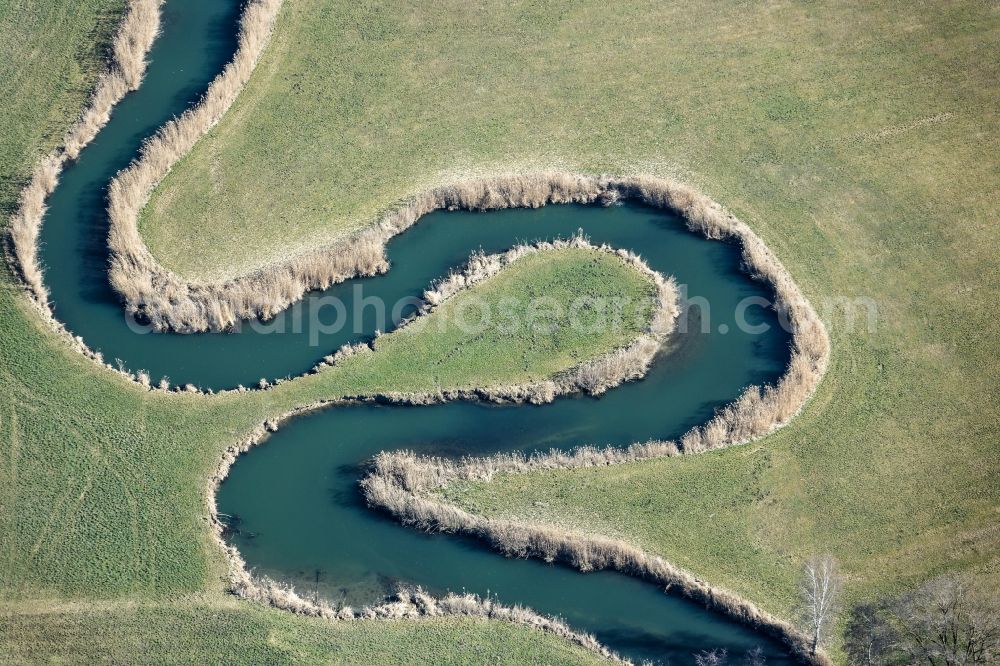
[
  {"x": 133, "y": 270},
  {"x": 169, "y": 302},
  {"x": 594, "y": 376},
  {"x": 124, "y": 72},
  {"x": 861, "y": 192},
  {"x": 400, "y": 483}
]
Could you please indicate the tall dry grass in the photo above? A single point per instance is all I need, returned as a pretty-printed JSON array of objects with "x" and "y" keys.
[
  {"x": 124, "y": 72},
  {"x": 415, "y": 604},
  {"x": 170, "y": 302},
  {"x": 398, "y": 480},
  {"x": 400, "y": 484},
  {"x": 134, "y": 272},
  {"x": 396, "y": 486},
  {"x": 619, "y": 365}
]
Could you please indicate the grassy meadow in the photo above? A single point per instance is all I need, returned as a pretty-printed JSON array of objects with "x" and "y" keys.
[
  {"x": 449, "y": 354},
  {"x": 236, "y": 632},
  {"x": 45, "y": 85},
  {"x": 105, "y": 548},
  {"x": 858, "y": 139}
]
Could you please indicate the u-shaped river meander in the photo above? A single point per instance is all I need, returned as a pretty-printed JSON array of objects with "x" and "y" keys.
[{"x": 301, "y": 517}]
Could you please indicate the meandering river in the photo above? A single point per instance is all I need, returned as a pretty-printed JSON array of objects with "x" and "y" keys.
[{"x": 300, "y": 516}]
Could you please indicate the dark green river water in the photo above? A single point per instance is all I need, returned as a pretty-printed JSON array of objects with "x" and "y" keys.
[{"x": 296, "y": 503}]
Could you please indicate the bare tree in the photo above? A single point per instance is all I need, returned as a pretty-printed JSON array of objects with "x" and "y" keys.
[
  {"x": 944, "y": 623},
  {"x": 820, "y": 592},
  {"x": 870, "y": 638}
]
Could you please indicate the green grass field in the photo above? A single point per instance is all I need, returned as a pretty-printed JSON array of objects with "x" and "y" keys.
[
  {"x": 106, "y": 481},
  {"x": 772, "y": 109},
  {"x": 105, "y": 546},
  {"x": 447, "y": 351},
  {"x": 45, "y": 87},
  {"x": 859, "y": 140},
  {"x": 235, "y": 632}
]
